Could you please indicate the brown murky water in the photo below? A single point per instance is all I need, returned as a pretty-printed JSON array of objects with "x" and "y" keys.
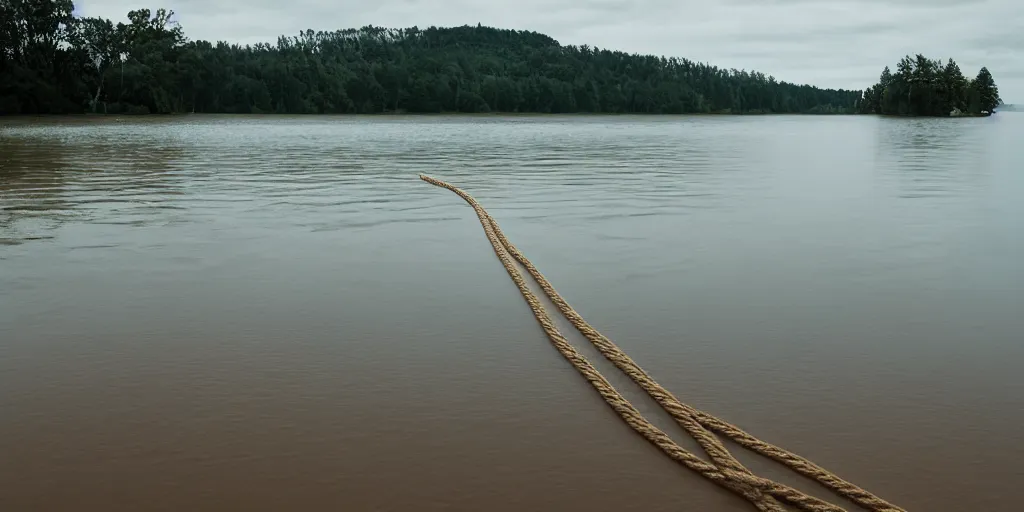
[{"x": 247, "y": 313}]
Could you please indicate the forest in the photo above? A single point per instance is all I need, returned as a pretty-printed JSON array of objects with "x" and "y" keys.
[
  {"x": 925, "y": 87},
  {"x": 53, "y": 62}
]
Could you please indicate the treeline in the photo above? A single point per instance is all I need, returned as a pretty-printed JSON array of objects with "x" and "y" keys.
[
  {"x": 925, "y": 87},
  {"x": 54, "y": 62}
]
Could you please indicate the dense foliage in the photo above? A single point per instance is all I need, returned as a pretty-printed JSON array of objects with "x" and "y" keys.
[
  {"x": 924, "y": 87},
  {"x": 54, "y": 62}
]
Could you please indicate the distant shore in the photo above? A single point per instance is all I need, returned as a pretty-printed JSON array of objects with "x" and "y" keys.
[{"x": 104, "y": 118}]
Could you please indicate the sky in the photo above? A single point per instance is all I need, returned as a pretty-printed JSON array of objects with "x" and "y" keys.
[{"x": 827, "y": 43}]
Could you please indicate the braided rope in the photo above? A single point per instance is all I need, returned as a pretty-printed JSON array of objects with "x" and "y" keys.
[{"x": 724, "y": 469}]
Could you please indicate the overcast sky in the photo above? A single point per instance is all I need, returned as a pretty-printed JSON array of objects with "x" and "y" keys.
[{"x": 828, "y": 43}]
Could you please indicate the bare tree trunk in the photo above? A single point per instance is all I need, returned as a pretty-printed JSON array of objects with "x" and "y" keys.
[{"x": 96, "y": 99}]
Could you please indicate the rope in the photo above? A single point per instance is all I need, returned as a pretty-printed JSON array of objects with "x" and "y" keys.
[{"x": 723, "y": 469}]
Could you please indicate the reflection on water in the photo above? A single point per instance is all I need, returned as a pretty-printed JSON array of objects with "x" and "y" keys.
[
  {"x": 931, "y": 159},
  {"x": 50, "y": 175},
  {"x": 269, "y": 313},
  {"x": 30, "y": 191}
]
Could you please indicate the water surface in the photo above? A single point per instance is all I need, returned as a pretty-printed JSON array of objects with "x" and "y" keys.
[{"x": 274, "y": 313}]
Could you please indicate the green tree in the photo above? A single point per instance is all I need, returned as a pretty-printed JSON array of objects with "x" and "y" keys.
[
  {"x": 38, "y": 72},
  {"x": 954, "y": 87},
  {"x": 985, "y": 87},
  {"x": 100, "y": 41}
]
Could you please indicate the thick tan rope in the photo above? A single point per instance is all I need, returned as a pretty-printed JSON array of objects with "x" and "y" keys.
[{"x": 724, "y": 468}]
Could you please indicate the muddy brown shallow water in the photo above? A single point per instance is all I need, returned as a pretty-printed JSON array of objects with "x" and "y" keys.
[{"x": 274, "y": 313}]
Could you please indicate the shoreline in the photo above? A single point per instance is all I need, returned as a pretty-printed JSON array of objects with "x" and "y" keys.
[
  {"x": 112, "y": 118},
  {"x": 89, "y": 115},
  {"x": 101, "y": 118}
]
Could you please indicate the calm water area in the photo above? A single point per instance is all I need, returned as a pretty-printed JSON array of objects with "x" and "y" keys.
[{"x": 213, "y": 313}]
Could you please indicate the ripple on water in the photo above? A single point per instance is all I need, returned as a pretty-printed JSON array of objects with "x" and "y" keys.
[{"x": 281, "y": 298}]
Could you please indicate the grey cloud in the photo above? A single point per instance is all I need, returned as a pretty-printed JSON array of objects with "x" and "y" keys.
[
  {"x": 929, "y": 4},
  {"x": 830, "y": 34},
  {"x": 830, "y": 43},
  {"x": 1008, "y": 39}
]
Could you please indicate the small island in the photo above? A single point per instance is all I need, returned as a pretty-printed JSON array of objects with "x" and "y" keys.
[
  {"x": 925, "y": 87},
  {"x": 54, "y": 62}
]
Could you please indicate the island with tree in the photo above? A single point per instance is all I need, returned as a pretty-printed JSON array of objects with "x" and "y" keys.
[
  {"x": 925, "y": 87},
  {"x": 52, "y": 62}
]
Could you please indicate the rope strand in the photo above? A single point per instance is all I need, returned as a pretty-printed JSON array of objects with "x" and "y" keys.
[{"x": 724, "y": 469}]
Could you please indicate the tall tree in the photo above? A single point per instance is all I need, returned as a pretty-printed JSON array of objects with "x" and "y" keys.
[
  {"x": 988, "y": 93},
  {"x": 100, "y": 41},
  {"x": 954, "y": 87},
  {"x": 37, "y": 70}
]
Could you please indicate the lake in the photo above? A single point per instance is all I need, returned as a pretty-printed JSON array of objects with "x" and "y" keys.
[{"x": 274, "y": 313}]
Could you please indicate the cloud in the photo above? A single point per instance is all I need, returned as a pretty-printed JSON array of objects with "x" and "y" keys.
[
  {"x": 829, "y": 43},
  {"x": 899, "y": 3}
]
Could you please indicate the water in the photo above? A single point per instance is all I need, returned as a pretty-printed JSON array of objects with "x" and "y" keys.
[{"x": 269, "y": 313}]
